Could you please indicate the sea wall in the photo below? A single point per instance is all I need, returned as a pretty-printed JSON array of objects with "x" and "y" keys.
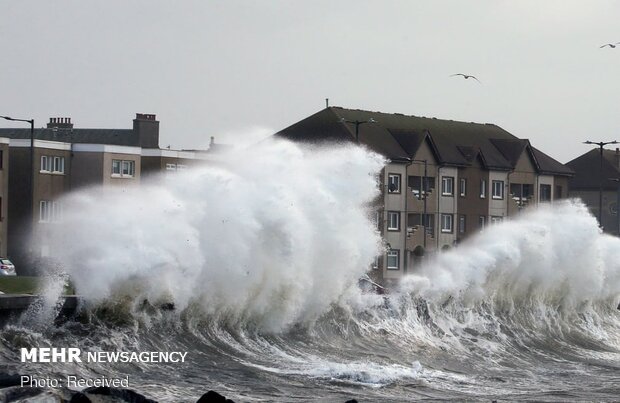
[{"x": 12, "y": 305}]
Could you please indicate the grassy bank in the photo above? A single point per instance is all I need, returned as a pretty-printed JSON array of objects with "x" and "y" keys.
[{"x": 25, "y": 285}]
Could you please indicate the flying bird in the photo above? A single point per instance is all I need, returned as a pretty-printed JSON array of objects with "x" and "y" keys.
[
  {"x": 611, "y": 45},
  {"x": 465, "y": 76}
]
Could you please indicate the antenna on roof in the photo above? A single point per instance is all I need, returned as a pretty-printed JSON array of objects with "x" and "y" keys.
[{"x": 327, "y": 102}]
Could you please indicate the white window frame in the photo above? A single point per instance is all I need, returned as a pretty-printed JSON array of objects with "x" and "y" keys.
[
  {"x": 497, "y": 191},
  {"x": 58, "y": 165},
  {"x": 463, "y": 187},
  {"x": 391, "y": 254},
  {"x": 447, "y": 186},
  {"x": 482, "y": 221},
  {"x": 121, "y": 165},
  {"x": 483, "y": 188},
  {"x": 46, "y": 164},
  {"x": 181, "y": 167},
  {"x": 116, "y": 164},
  {"x": 447, "y": 223},
  {"x": 171, "y": 167},
  {"x": 540, "y": 192},
  {"x": 50, "y": 211},
  {"x": 128, "y": 168},
  {"x": 45, "y": 207},
  {"x": 52, "y": 164},
  {"x": 393, "y": 178},
  {"x": 393, "y": 218}
]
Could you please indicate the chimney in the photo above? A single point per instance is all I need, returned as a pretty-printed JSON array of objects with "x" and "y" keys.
[
  {"x": 146, "y": 128},
  {"x": 60, "y": 123},
  {"x": 212, "y": 141}
]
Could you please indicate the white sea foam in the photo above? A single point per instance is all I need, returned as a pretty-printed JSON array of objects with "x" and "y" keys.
[
  {"x": 554, "y": 253},
  {"x": 273, "y": 233}
]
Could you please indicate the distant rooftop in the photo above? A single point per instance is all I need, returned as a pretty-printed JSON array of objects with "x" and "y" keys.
[
  {"x": 399, "y": 136},
  {"x": 587, "y": 170},
  {"x": 145, "y": 133}
]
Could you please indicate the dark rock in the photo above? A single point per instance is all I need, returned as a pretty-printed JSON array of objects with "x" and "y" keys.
[
  {"x": 15, "y": 393},
  {"x": 168, "y": 306},
  {"x": 351, "y": 401},
  {"x": 7, "y": 380},
  {"x": 213, "y": 397},
  {"x": 127, "y": 395},
  {"x": 79, "y": 397}
]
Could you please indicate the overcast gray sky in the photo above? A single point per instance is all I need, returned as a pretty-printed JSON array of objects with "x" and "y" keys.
[{"x": 243, "y": 68}]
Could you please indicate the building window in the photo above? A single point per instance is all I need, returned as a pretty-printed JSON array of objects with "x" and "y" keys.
[
  {"x": 59, "y": 165},
  {"x": 496, "y": 219},
  {"x": 128, "y": 168},
  {"x": 46, "y": 164},
  {"x": 116, "y": 168},
  {"x": 481, "y": 221},
  {"x": 483, "y": 188},
  {"x": 393, "y": 183},
  {"x": 393, "y": 259},
  {"x": 463, "y": 187},
  {"x": 462, "y": 228},
  {"x": 376, "y": 263},
  {"x": 175, "y": 167},
  {"x": 421, "y": 184},
  {"x": 446, "y": 223},
  {"x": 447, "y": 186},
  {"x": 50, "y": 211},
  {"x": 123, "y": 168},
  {"x": 393, "y": 221},
  {"x": 545, "y": 193},
  {"x": 51, "y": 164},
  {"x": 498, "y": 189}
]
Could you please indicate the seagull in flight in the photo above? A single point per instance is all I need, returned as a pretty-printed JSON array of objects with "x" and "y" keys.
[
  {"x": 465, "y": 76},
  {"x": 611, "y": 45}
]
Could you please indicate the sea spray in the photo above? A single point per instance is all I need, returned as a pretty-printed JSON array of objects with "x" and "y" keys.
[
  {"x": 272, "y": 234},
  {"x": 545, "y": 283},
  {"x": 526, "y": 310},
  {"x": 554, "y": 252}
]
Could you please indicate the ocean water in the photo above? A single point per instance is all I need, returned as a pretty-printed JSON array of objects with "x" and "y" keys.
[{"x": 261, "y": 255}]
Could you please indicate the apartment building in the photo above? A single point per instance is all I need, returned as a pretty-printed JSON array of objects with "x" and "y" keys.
[
  {"x": 4, "y": 191},
  {"x": 445, "y": 180},
  {"x": 589, "y": 169},
  {"x": 63, "y": 159}
]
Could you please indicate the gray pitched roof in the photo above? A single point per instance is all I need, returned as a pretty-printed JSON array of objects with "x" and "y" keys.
[
  {"x": 547, "y": 165},
  {"x": 587, "y": 170},
  {"x": 398, "y": 136}
]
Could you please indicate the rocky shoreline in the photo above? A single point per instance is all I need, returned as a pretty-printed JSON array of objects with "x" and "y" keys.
[{"x": 10, "y": 391}]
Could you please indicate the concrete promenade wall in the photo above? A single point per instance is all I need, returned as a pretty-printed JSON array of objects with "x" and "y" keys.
[{"x": 13, "y": 305}]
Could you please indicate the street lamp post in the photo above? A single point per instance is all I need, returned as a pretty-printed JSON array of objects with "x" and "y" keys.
[
  {"x": 617, "y": 202},
  {"x": 600, "y": 144},
  {"x": 357, "y": 124}
]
